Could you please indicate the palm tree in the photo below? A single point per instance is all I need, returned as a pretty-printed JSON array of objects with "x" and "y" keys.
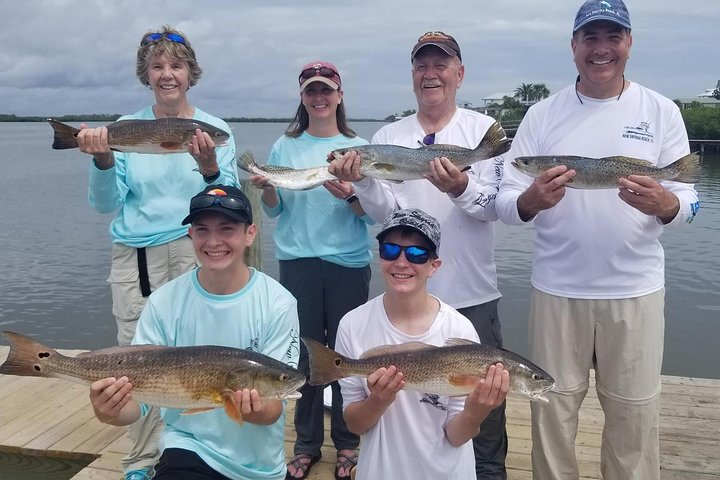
[
  {"x": 524, "y": 91},
  {"x": 538, "y": 92}
]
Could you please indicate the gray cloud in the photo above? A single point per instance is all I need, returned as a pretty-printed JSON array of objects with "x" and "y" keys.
[{"x": 72, "y": 56}]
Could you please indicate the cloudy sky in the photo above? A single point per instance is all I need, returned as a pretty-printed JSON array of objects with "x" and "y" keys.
[{"x": 77, "y": 56}]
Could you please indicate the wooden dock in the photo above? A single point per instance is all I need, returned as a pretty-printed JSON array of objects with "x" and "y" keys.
[{"x": 49, "y": 417}]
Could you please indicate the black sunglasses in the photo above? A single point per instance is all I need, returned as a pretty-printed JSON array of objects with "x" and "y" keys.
[
  {"x": 205, "y": 200},
  {"x": 429, "y": 139},
  {"x": 413, "y": 253},
  {"x": 155, "y": 37},
  {"x": 326, "y": 72}
]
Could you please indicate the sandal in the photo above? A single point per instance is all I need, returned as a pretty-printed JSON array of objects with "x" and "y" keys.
[
  {"x": 298, "y": 461},
  {"x": 347, "y": 463}
]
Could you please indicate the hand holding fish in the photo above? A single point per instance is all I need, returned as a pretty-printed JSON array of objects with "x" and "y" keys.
[
  {"x": 109, "y": 398},
  {"x": 489, "y": 394},
  {"x": 447, "y": 177},
  {"x": 384, "y": 384},
  {"x": 649, "y": 197},
  {"x": 347, "y": 167},
  {"x": 94, "y": 141},
  {"x": 202, "y": 149},
  {"x": 254, "y": 410},
  {"x": 545, "y": 192},
  {"x": 339, "y": 188}
]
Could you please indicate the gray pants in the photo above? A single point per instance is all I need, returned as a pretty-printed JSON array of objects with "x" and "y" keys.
[
  {"x": 325, "y": 292},
  {"x": 164, "y": 262},
  {"x": 491, "y": 444}
]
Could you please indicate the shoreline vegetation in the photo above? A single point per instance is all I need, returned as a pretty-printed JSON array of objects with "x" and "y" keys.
[{"x": 95, "y": 117}]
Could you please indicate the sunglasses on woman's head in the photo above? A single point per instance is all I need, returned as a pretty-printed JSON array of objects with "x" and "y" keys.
[
  {"x": 205, "y": 200},
  {"x": 155, "y": 37},
  {"x": 326, "y": 72},
  {"x": 413, "y": 253}
]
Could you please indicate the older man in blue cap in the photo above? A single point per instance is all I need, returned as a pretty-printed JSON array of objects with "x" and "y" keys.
[{"x": 598, "y": 267}]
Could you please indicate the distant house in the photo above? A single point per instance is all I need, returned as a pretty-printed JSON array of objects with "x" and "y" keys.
[{"x": 705, "y": 99}]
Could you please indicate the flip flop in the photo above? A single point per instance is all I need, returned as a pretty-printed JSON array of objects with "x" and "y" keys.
[
  {"x": 346, "y": 462},
  {"x": 301, "y": 466}
]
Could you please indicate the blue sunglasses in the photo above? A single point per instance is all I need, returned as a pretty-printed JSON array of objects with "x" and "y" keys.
[
  {"x": 413, "y": 253},
  {"x": 155, "y": 37}
]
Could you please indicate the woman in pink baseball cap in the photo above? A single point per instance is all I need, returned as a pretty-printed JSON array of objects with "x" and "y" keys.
[{"x": 323, "y": 249}]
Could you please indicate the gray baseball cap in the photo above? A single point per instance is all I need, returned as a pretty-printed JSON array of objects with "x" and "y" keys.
[{"x": 415, "y": 219}]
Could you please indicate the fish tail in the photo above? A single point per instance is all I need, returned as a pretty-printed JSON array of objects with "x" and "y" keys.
[
  {"x": 324, "y": 363},
  {"x": 65, "y": 136},
  {"x": 245, "y": 161},
  {"x": 495, "y": 142},
  {"x": 27, "y": 357},
  {"x": 688, "y": 168}
]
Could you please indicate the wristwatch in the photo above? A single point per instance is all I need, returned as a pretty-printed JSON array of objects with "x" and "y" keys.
[
  {"x": 352, "y": 198},
  {"x": 212, "y": 177}
]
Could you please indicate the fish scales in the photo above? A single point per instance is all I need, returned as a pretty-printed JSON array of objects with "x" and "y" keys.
[
  {"x": 159, "y": 136},
  {"x": 397, "y": 164},
  {"x": 452, "y": 370},
  {"x": 193, "y": 377},
  {"x": 286, "y": 177},
  {"x": 597, "y": 173}
]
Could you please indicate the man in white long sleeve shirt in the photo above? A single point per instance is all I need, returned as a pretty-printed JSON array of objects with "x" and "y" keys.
[
  {"x": 598, "y": 266},
  {"x": 463, "y": 203}
]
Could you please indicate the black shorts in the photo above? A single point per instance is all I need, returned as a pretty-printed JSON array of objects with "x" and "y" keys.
[{"x": 179, "y": 464}]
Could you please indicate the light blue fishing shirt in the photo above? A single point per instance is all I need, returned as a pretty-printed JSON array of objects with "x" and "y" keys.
[
  {"x": 153, "y": 192},
  {"x": 261, "y": 317},
  {"x": 313, "y": 223}
]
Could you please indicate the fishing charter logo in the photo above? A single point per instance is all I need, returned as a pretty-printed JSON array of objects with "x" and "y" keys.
[{"x": 642, "y": 132}]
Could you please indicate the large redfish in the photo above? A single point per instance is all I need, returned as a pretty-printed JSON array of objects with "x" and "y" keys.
[
  {"x": 163, "y": 135},
  {"x": 453, "y": 370},
  {"x": 194, "y": 379}
]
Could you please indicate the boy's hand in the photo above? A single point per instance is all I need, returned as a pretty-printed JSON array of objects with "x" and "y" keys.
[
  {"x": 384, "y": 383},
  {"x": 489, "y": 394},
  {"x": 108, "y": 397}
]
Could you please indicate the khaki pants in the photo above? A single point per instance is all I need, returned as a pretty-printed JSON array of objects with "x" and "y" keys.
[
  {"x": 623, "y": 341},
  {"x": 164, "y": 262}
]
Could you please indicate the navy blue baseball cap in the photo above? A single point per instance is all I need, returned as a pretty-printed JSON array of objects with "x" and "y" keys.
[
  {"x": 228, "y": 200},
  {"x": 613, "y": 11}
]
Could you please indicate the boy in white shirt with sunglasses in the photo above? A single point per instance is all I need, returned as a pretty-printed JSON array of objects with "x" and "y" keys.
[{"x": 407, "y": 434}]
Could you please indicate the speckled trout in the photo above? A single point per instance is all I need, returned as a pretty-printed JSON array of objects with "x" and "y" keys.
[
  {"x": 195, "y": 379},
  {"x": 285, "y": 177},
  {"x": 163, "y": 135},
  {"x": 397, "y": 164},
  {"x": 453, "y": 370},
  {"x": 596, "y": 173}
]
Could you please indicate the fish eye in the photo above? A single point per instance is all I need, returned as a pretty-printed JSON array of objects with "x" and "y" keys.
[
  {"x": 284, "y": 376},
  {"x": 535, "y": 376}
]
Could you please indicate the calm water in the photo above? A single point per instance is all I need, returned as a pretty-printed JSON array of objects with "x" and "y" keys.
[{"x": 56, "y": 254}]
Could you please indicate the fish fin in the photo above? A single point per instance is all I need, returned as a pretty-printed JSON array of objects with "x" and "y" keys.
[
  {"x": 245, "y": 161},
  {"x": 455, "y": 341},
  {"x": 324, "y": 363},
  {"x": 464, "y": 380},
  {"x": 65, "y": 136},
  {"x": 399, "y": 348},
  {"x": 231, "y": 408},
  {"x": 195, "y": 411},
  {"x": 688, "y": 168},
  {"x": 495, "y": 141},
  {"x": 122, "y": 349},
  {"x": 27, "y": 357}
]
